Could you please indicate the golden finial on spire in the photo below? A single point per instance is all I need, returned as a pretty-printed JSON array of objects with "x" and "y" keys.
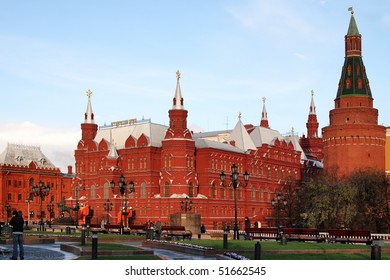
[
  {"x": 264, "y": 99},
  {"x": 350, "y": 9},
  {"x": 292, "y": 131},
  {"x": 178, "y": 75},
  {"x": 89, "y": 93},
  {"x": 239, "y": 115},
  {"x": 312, "y": 92}
]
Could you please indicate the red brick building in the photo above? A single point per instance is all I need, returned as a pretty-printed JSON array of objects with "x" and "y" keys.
[
  {"x": 20, "y": 167},
  {"x": 354, "y": 140},
  {"x": 169, "y": 163}
]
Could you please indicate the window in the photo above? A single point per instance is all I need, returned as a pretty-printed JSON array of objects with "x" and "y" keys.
[
  {"x": 166, "y": 190},
  {"x": 213, "y": 191},
  {"x": 143, "y": 190},
  {"x": 191, "y": 189}
]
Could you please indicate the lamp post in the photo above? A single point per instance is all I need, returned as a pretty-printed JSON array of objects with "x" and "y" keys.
[
  {"x": 50, "y": 208},
  {"x": 7, "y": 207},
  {"x": 41, "y": 191},
  {"x": 234, "y": 184},
  {"x": 279, "y": 204},
  {"x": 122, "y": 188},
  {"x": 108, "y": 207},
  {"x": 186, "y": 206},
  {"x": 28, "y": 200}
]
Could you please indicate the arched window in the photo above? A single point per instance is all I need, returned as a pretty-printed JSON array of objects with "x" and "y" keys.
[
  {"x": 166, "y": 189},
  {"x": 93, "y": 192},
  {"x": 213, "y": 191},
  {"x": 106, "y": 190},
  {"x": 143, "y": 190}
]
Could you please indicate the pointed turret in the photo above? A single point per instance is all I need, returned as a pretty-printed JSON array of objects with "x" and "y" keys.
[
  {"x": 353, "y": 140},
  {"x": 89, "y": 116},
  {"x": 178, "y": 99},
  {"x": 312, "y": 123},
  {"x": 264, "y": 117},
  {"x": 178, "y": 175},
  {"x": 89, "y": 128},
  {"x": 178, "y": 115},
  {"x": 353, "y": 81}
]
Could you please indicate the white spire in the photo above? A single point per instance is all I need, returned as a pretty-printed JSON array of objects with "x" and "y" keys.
[
  {"x": 113, "y": 152},
  {"x": 89, "y": 113},
  {"x": 312, "y": 106},
  {"x": 264, "y": 113},
  {"x": 178, "y": 99}
]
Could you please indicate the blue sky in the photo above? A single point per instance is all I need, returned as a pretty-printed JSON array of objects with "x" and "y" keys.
[{"x": 230, "y": 54}]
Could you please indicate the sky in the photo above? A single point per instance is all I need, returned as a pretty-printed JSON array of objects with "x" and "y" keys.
[{"x": 230, "y": 54}]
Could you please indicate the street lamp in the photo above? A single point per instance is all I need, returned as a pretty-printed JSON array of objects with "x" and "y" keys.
[
  {"x": 234, "y": 184},
  {"x": 7, "y": 207},
  {"x": 50, "y": 208},
  {"x": 279, "y": 204},
  {"x": 122, "y": 188},
  {"x": 186, "y": 206},
  {"x": 108, "y": 207},
  {"x": 41, "y": 191},
  {"x": 28, "y": 200}
]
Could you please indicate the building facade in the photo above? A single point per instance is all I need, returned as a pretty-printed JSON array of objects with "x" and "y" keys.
[
  {"x": 168, "y": 164},
  {"x": 21, "y": 168},
  {"x": 353, "y": 140}
]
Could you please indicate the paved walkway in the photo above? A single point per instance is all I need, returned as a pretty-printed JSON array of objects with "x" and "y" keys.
[
  {"x": 169, "y": 254},
  {"x": 53, "y": 252},
  {"x": 38, "y": 252}
]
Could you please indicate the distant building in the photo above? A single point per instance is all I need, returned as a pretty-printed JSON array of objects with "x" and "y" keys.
[
  {"x": 353, "y": 140},
  {"x": 20, "y": 167}
]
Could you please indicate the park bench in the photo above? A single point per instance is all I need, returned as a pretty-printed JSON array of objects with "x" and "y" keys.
[
  {"x": 97, "y": 228},
  {"x": 177, "y": 232},
  {"x": 115, "y": 228},
  {"x": 303, "y": 234},
  {"x": 138, "y": 229},
  {"x": 349, "y": 236},
  {"x": 262, "y": 233}
]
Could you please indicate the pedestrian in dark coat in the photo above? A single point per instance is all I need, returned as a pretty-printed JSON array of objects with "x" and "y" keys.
[{"x": 17, "y": 224}]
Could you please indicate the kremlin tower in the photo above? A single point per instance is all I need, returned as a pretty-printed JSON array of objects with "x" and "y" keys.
[{"x": 353, "y": 140}]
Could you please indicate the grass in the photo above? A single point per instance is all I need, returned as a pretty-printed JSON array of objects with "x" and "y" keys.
[
  {"x": 246, "y": 249},
  {"x": 243, "y": 247},
  {"x": 238, "y": 245}
]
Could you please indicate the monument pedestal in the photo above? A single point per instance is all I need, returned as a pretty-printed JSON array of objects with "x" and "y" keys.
[{"x": 191, "y": 221}]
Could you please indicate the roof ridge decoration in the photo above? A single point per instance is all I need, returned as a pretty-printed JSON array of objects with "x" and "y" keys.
[{"x": 178, "y": 103}]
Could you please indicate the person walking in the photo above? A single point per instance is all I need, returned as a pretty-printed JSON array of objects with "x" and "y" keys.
[
  {"x": 158, "y": 229},
  {"x": 17, "y": 224}
]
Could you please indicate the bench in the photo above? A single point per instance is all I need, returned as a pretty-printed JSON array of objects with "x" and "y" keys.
[
  {"x": 178, "y": 232},
  {"x": 97, "y": 228},
  {"x": 303, "y": 234},
  {"x": 350, "y": 236},
  {"x": 262, "y": 233},
  {"x": 115, "y": 228},
  {"x": 138, "y": 229}
]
